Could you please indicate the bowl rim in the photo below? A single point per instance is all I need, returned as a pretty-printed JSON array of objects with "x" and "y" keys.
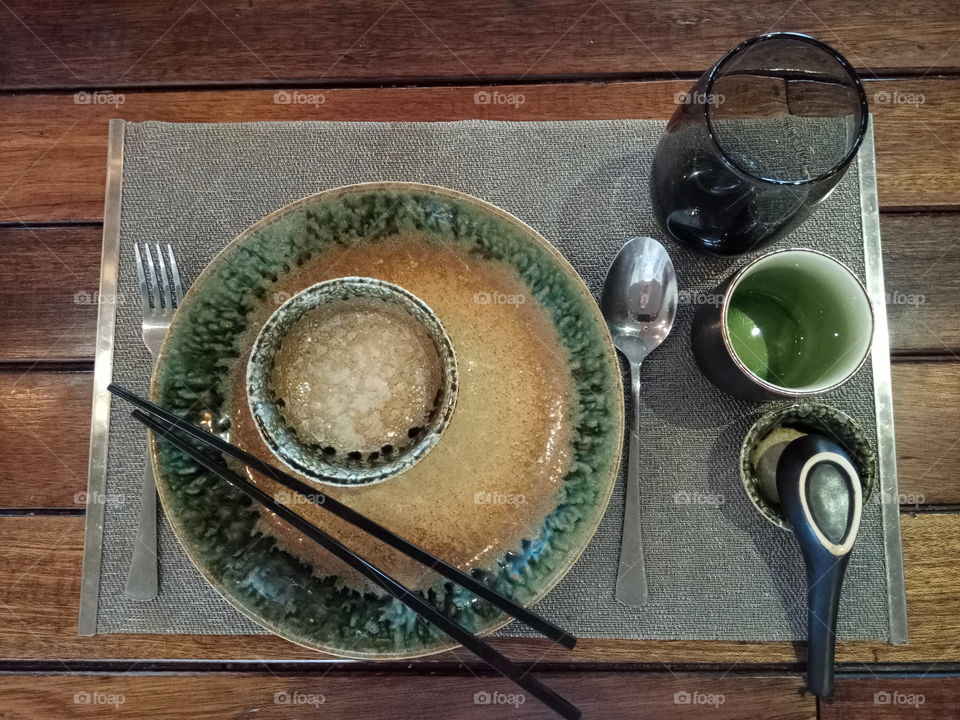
[
  {"x": 305, "y": 463},
  {"x": 776, "y": 415}
]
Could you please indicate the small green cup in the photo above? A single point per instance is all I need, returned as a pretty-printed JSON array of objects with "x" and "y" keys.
[{"x": 791, "y": 324}]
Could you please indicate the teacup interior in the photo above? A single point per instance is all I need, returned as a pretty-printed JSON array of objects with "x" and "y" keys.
[{"x": 799, "y": 320}]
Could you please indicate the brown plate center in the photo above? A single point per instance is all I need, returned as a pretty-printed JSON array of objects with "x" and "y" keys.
[{"x": 498, "y": 468}]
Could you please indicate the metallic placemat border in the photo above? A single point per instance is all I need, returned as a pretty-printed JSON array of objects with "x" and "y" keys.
[{"x": 106, "y": 318}]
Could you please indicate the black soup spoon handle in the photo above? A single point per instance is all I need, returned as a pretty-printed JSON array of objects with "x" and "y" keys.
[{"x": 820, "y": 492}]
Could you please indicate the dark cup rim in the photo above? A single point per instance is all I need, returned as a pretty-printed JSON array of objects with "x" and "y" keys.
[
  {"x": 838, "y": 168},
  {"x": 780, "y": 390}
]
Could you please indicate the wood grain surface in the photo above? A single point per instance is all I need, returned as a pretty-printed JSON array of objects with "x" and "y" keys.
[
  {"x": 54, "y": 147},
  {"x": 48, "y": 44},
  {"x": 49, "y": 285},
  {"x": 49, "y": 280},
  {"x": 369, "y": 695},
  {"x": 875, "y": 697},
  {"x": 40, "y": 585},
  {"x": 66, "y": 69},
  {"x": 36, "y": 406},
  {"x": 921, "y": 263}
]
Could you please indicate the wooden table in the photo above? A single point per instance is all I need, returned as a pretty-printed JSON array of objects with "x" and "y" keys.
[{"x": 219, "y": 61}]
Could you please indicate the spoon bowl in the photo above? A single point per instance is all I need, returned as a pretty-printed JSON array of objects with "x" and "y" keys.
[{"x": 639, "y": 300}]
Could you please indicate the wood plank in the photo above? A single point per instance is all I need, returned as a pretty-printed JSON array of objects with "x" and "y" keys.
[
  {"x": 49, "y": 280},
  {"x": 40, "y": 584},
  {"x": 360, "y": 695},
  {"x": 918, "y": 143},
  {"x": 34, "y": 406},
  {"x": 921, "y": 266},
  {"x": 44, "y": 44},
  {"x": 55, "y": 148},
  {"x": 893, "y": 698},
  {"x": 45, "y": 464},
  {"x": 927, "y": 427}
]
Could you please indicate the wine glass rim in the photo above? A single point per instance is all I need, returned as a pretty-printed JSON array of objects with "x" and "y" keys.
[{"x": 842, "y": 164}]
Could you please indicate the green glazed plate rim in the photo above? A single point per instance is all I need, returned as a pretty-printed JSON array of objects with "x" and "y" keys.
[{"x": 437, "y": 642}]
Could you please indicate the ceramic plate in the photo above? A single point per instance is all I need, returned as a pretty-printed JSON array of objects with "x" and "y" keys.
[{"x": 516, "y": 486}]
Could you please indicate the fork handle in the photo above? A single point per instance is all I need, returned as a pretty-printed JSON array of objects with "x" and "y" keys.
[{"x": 142, "y": 576}]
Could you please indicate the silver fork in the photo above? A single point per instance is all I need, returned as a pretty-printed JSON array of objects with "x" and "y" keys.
[{"x": 160, "y": 296}]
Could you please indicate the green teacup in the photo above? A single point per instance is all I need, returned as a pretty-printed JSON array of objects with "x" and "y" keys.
[{"x": 792, "y": 323}]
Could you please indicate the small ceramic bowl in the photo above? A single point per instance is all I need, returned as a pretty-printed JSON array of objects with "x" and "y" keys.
[
  {"x": 326, "y": 464},
  {"x": 789, "y": 421}
]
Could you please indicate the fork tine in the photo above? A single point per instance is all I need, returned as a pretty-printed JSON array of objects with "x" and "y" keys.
[
  {"x": 144, "y": 295},
  {"x": 164, "y": 282},
  {"x": 154, "y": 287},
  {"x": 175, "y": 272}
]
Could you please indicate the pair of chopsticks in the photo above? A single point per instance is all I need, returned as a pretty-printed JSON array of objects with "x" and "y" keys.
[{"x": 172, "y": 429}]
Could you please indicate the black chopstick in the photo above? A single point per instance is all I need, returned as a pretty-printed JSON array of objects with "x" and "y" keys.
[
  {"x": 350, "y": 515},
  {"x": 485, "y": 652}
]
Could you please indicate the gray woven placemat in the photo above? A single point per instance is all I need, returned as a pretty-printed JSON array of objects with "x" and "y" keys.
[{"x": 717, "y": 569}]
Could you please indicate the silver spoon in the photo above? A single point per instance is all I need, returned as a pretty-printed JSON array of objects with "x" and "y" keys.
[{"x": 639, "y": 303}]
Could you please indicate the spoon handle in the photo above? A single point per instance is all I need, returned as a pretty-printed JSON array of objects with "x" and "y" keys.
[
  {"x": 821, "y": 494},
  {"x": 632, "y": 574}
]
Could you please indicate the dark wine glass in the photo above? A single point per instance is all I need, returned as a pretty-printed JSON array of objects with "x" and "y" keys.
[{"x": 759, "y": 141}]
